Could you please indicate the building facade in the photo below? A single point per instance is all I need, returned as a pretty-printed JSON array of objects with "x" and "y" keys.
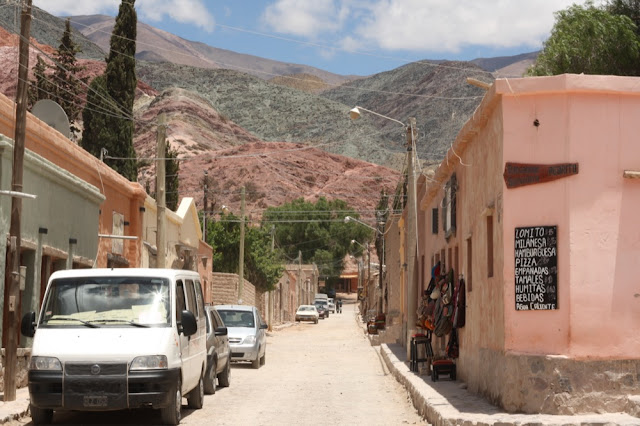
[{"x": 535, "y": 209}]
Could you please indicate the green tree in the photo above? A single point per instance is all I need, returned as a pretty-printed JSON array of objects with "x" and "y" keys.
[
  {"x": 41, "y": 87},
  {"x": 318, "y": 231},
  {"x": 587, "y": 39},
  {"x": 172, "y": 181},
  {"x": 68, "y": 85},
  {"x": 262, "y": 266},
  {"x": 115, "y": 104}
]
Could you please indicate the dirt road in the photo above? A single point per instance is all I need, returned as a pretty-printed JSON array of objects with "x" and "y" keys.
[{"x": 316, "y": 374}]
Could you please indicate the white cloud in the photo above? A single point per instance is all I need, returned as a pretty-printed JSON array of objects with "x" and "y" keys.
[
  {"x": 183, "y": 11},
  {"x": 75, "y": 7},
  {"x": 418, "y": 25},
  {"x": 307, "y": 18}
]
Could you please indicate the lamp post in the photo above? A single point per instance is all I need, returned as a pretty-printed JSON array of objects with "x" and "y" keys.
[{"x": 412, "y": 228}]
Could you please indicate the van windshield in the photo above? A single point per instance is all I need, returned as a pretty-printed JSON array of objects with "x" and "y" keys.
[{"x": 107, "y": 301}]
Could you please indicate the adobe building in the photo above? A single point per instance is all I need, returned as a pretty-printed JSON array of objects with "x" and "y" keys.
[
  {"x": 184, "y": 248},
  {"x": 120, "y": 215},
  {"x": 58, "y": 227},
  {"x": 536, "y": 208}
]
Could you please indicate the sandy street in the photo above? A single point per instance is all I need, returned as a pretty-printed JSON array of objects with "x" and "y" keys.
[
  {"x": 321, "y": 374},
  {"x": 315, "y": 374}
]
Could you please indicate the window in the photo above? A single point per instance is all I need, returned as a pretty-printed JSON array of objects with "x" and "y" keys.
[
  {"x": 434, "y": 221},
  {"x": 191, "y": 298},
  {"x": 489, "y": 246},
  {"x": 449, "y": 207},
  {"x": 469, "y": 265},
  {"x": 180, "y": 300}
]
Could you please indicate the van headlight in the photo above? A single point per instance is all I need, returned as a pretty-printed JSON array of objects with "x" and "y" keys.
[
  {"x": 45, "y": 363},
  {"x": 149, "y": 362},
  {"x": 249, "y": 340}
]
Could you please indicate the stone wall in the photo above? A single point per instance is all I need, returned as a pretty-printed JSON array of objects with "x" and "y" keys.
[
  {"x": 24, "y": 355},
  {"x": 558, "y": 385}
]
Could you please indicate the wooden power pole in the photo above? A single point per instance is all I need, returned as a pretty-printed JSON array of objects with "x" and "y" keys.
[
  {"x": 241, "y": 260},
  {"x": 412, "y": 287},
  {"x": 12, "y": 266}
]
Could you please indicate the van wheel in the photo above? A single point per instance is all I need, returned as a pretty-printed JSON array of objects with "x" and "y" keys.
[
  {"x": 40, "y": 415},
  {"x": 195, "y": 398},
  {"x": 210, "y": 379},
  {"x": 171, "y": 414},
  {"x": 263, "y": 360},
  {"x": 224, "y": 378},
  {"x": 256, "y": 362}
]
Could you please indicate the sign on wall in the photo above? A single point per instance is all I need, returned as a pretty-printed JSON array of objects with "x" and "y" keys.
[
  {"x": 536, "y": 268},
  {"x": 521, "y": 174}
]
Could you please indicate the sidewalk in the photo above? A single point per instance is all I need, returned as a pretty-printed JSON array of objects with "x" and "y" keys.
[
  {"x": 14, "y": 410},
  {"x": 446, "y": 403}
]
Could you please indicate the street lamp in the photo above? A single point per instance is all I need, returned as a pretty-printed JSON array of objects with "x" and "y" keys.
[
  {"x": 412, "y": 224},
  {"x": 348, "y": 219}
]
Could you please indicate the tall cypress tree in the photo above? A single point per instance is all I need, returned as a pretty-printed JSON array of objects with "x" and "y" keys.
[
  {"x": 41, "y": 87},
  {"x": 65, "y": 76},
  {"x": 172, "y": 183},
  {"x": 114, "y": 107}
]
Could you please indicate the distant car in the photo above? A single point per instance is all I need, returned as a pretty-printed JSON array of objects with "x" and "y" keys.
[
  {"x": 218, "y": 352},
  {"x": 322, "y": 311},
  {"x": 332, "y": 306},
  {"x": 324, "y": 304},
  {"x": 247, "y": 336},
  {"x": 307, "y": 313}
]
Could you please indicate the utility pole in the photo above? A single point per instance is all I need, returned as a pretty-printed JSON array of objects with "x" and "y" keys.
[
  {"x": 160, "y": 194},
  {"x": 241, "y": 261},
  {"x": 299, "y": 278},
  {"x": 412, "y": 296},
  {"x": 204, "y": 211},
  {"x": 271, "y": 295},
  {"x": 12, "y": 266}
]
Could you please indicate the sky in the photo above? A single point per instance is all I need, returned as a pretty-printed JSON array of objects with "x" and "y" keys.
[{"x": 349, "y": 37}]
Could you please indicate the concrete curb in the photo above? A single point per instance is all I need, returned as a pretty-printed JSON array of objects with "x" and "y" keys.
[{"x": 446, "y": 403}]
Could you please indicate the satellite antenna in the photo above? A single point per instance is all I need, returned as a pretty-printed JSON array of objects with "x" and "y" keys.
[{"x": 52, "y": 114}]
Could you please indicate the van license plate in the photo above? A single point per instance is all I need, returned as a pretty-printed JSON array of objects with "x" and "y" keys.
[{"x": 95, "y": 401}]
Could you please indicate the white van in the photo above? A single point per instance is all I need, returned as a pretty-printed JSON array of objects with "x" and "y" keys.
[{"x": 113, "y": 339}]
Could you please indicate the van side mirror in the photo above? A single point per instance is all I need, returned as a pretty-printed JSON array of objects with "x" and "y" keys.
[
  {"x": 188, "y": 325},
  {"x": 221, "y": 331},
  {"x": 28, "y": 324},
  {"x": 264, "y": 326}
]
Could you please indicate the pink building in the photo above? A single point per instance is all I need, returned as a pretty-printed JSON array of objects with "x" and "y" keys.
[{"x": 536, "y": 208}]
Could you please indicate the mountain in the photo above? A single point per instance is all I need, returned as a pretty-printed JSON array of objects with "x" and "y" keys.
[
  {"x": 153, "y": 44},
  {"x": 438, "y": 96},
  {"x": 274, "y": 113},
  {"x": 499, "y": 63},
  {"x": 273, "y": 173},
  {"x": 46, "y": 29}
]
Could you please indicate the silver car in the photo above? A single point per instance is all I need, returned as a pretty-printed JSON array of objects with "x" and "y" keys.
[{"x": 246, "y": 331}]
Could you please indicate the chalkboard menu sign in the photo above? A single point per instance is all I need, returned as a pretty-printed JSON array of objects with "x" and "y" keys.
[{"x": 536, "y": 268}]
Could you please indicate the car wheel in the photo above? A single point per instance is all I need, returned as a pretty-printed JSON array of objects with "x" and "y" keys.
[
  {"x": 171, "y": 414},
  {"x": 224, "y": 378},
  {"x": 256, "y": 362},
  {"x": 263, "y": 360},
  {"x": 195, "y": 398},
  {"x": 315, "y": 321},
  {"x": 40, "y": 415},
  {"x": 210, "y": 379}
]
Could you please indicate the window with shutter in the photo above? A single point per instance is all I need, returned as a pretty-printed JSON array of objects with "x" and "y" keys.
[{"x": 434, "y": 221}]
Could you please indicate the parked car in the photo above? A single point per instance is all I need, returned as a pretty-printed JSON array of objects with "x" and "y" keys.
[
  {"x": 332, "y": 306},
  {"x": 324, "y": 304},
  {"x": 247, "y": 336},
  {"x": 322, "y": 311},
  {"x": 307, "y": 313},
  {"x": 218, "y": 352},
  {"x": 116, "y": 339}
]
